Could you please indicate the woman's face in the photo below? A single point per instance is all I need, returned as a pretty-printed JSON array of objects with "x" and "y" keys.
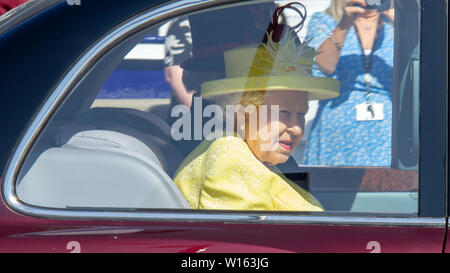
[{"x": 285, "y": 133}]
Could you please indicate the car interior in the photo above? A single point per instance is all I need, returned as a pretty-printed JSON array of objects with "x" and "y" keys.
[{"x": 107, "y": 156}]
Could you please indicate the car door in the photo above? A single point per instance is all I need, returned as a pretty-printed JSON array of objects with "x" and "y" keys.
[{"x": 94, "y": 171}]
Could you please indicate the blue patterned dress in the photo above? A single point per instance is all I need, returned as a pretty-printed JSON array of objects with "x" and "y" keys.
[{"x": 337, "y": 138}]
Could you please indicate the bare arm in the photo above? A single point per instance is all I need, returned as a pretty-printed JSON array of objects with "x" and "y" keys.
[
  {"x": 329, "y": 50},
  {"x": 173, "y": 75},
  {"x": 390, "y": 13}
]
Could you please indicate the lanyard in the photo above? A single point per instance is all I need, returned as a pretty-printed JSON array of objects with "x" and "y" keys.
[{"x": 367, "y": 61}]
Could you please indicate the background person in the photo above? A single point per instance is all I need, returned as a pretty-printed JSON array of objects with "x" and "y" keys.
[
  {"x": 178, "y": 48},
  {"x": 355, "y": 46}
]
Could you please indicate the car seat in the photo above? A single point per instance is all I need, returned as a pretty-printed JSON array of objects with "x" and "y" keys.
[{"x": 99, "y": 168}]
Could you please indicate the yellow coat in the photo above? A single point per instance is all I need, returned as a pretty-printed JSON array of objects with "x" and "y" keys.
[{"x": 224, "y": 174}]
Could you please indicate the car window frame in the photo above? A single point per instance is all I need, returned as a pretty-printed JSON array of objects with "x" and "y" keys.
[
  {"x": 429, "y": 214},
  {"x": 22, "y": 12},
  {"x": 433, "y": 140}
]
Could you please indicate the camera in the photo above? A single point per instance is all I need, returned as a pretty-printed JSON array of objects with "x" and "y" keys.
[{"x": 380, "y": 5}]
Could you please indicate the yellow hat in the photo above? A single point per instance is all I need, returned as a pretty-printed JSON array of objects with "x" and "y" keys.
[{"x": 271, "y": 66}]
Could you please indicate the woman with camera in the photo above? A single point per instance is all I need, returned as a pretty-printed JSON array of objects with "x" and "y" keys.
[{"x": 354, "y": 39}]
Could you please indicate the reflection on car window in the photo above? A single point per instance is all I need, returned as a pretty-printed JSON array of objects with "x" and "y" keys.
[{"x": 274, "y": 106}]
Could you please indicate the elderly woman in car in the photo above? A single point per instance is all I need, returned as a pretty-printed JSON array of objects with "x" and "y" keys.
[{"x": 237, "y": 171}]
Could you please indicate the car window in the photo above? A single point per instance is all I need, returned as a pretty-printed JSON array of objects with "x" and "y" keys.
[{"x": 268, "y": 106}]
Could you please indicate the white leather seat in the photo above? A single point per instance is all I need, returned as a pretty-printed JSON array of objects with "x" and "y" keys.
[{"x": 99, "y": 169}]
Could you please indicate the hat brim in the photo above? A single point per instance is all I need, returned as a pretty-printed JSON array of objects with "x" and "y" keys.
[{"x": 316, "y": 87}]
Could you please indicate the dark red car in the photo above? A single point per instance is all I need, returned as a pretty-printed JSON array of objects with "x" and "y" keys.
[{"x": 88, "y": 156}]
